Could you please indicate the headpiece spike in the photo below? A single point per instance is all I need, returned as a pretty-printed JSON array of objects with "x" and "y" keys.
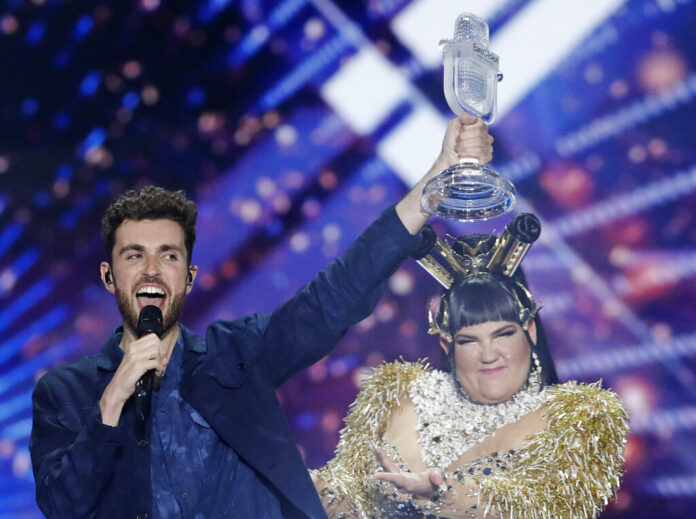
[{"x": 501, "y": 256}]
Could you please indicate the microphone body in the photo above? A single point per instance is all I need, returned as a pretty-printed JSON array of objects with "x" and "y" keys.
[
  {"x": 149, "y": 321},
  {"x": 470, "y": 69}
]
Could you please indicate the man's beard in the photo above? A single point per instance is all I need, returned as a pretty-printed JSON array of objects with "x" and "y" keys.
[{"x": 130, "y": 313}]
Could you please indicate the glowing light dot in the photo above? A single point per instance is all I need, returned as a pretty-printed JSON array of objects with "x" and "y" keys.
[
  {"x": 314, "y": 29},
  {"x": 637, "y": 154},
  {"x": 293, "y": 179},
  {"x": 286, "y": 135},
  {"x": 61, "y": 188},
  {"x": 657, "y": 148},
  {"x": 9, "y": 24},
  {"x": 21, "y": 463},
  {"x": 242, "y": 137},
  {"x": 611, "y": 308},
  {"x": 408, "y": 329},
  {"x": 229, "y": 269},
  {"x": 207, "y": 281},
  {"x": 385, "y": 311},
  {"x": 300, "y": 242},
  {"x": 265, "y": 187},
  {"x": 330, "y": 422},
  {"x": 7, "y": 449},
  {"x": 150, "y": 95},
  {"x": 401, "y": 283},
  {"x": 150, "y": 5},
  {"x": 250, "y": 211},
  {"x": 661, "y": 332},
  {"x": 331, "y": 232},
  {"x": 618, "y": 88},
  {"x": 131, "y": 69},
  {"x": 209, "y": 122},
  {"x": 311, "y": 208},
  {"x": 338, "y": 368},
  {"x": 281, "y": 203},
  {"x": 317, "y": 372},
  {"x": 271, "y": 119},
  {"x": 619, "y": 255},
  {"x": 7, "y": 280},
  {"x": 328, "y": 179}
]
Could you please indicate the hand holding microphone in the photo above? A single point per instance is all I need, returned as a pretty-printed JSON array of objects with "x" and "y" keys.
[{"x": 141, "y": 357}]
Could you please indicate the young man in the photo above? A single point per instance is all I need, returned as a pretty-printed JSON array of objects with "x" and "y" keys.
[{"x": 216, "y": 443}]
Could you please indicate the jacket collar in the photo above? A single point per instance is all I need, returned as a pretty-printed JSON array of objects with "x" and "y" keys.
[{"x": 110, "y": 355}]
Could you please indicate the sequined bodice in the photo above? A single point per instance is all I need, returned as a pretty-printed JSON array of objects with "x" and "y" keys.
[{"x": 449, "y": 424}]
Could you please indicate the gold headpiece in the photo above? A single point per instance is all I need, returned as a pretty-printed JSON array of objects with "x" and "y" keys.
[{"x": 460, "y": 258}]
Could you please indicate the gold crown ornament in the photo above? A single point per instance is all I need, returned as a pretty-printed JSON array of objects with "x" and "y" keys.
[{"x": 457, "y": 258}]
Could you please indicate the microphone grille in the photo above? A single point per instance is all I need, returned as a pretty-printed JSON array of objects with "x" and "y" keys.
[
  {"x": 468, "y": 26},
  {"x": 150, "y": 321}
]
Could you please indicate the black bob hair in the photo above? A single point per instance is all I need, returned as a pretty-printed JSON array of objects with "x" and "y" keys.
[{"x": 485, "y": 297}]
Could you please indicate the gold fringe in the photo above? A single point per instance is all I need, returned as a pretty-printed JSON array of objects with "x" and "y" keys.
[
  {"x": 571, "y": 469},
  {"x": 366, "y": 421}
]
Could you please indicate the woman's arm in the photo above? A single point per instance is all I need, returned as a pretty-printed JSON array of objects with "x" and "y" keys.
[{"x": 571, "y": 468}]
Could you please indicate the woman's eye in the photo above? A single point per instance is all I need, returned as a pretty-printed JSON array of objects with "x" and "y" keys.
[{"x": 507, "y": 334}]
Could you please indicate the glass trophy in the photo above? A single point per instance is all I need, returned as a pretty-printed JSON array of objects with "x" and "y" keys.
[{"x": 469, "y": 191}]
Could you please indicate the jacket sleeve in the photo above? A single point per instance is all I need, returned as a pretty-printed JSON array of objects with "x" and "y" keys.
[
  {"x": 306, "y": 327},
  {"x": 73, "y": 457}
]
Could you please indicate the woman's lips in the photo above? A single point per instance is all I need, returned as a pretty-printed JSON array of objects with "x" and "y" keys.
[{"x": 490, "y": 371}]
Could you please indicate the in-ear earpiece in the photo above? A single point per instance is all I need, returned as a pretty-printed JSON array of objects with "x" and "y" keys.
[
  {"x": 189, "y": 278},
  {"x": 107, "y": 278}
]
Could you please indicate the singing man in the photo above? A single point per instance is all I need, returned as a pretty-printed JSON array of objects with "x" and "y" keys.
[{"x": 215, "y": 443}]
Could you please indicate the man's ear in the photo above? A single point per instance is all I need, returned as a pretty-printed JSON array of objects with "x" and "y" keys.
[
  {"x": 445, "y": 345},
  {"x": 107, "y": 276},
  {"x": 191, "y": 277}
]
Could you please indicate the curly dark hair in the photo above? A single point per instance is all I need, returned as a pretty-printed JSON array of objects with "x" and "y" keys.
[{"x": 150, "y": 203}]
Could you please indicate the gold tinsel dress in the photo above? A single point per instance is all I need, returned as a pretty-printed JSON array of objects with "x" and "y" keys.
[{"x": 569, "y": 469}]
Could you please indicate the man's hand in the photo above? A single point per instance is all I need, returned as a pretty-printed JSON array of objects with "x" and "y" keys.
[
  {"x": 466, "y": 137},
  {"x": 140, "y": 357},
  {"x": 420, "y": 484}
]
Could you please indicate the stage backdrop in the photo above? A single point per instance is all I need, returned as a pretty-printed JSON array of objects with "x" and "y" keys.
[{"x": 292, "y": 124}]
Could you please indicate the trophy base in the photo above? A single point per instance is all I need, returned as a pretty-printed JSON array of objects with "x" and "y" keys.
[{"x": 468, "y": 192}]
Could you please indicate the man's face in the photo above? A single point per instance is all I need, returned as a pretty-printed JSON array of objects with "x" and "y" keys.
[{"x": 149, "y": 268}]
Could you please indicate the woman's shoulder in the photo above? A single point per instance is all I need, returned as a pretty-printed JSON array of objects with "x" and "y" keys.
[
  {"x": 576, "y": 402},
  {"x": 393, "y": 379}
]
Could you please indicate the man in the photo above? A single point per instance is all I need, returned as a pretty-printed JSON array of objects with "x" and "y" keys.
[{"x": 216, "y": 443}]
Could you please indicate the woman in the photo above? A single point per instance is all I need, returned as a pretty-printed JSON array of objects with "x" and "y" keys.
[{"x": 495, "y": 435}]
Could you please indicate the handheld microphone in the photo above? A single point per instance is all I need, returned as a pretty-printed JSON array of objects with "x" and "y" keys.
[{"x": 149, "y": 321}]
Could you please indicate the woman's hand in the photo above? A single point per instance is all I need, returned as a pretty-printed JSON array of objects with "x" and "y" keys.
[{"x": 421, "y": 484}]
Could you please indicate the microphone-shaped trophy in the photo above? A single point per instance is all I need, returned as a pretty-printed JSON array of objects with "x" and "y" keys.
[{"x": 468, "y": 190}]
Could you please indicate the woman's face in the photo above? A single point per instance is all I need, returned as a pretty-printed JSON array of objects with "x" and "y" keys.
[{"x": 491, "y": 359}]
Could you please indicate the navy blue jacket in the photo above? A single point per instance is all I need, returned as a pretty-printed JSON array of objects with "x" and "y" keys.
[{"x": 85, "y": 469}]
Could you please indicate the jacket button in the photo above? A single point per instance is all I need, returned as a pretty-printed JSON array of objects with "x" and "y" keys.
[
  {"x": 142, "y": 515},
  {"x": 241, "y": 366},
  {"x": 143, "y": 444}
]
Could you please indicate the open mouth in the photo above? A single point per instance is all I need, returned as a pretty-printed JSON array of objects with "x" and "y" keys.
[{"x": 150, "y": 295}]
